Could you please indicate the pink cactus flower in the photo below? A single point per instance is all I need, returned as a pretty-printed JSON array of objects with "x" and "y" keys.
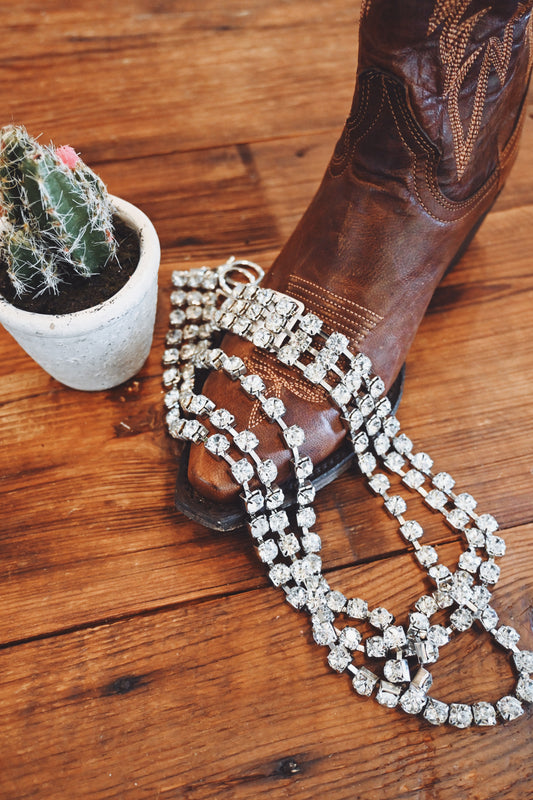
[{"x": 67, "y": 155}]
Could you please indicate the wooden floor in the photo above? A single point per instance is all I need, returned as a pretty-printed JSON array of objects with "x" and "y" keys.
[{"x": 142, "y": 656}]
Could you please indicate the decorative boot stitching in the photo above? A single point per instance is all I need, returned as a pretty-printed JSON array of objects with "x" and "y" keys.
[
  {"x": 338, "y": 312},
  {"x": 454, "y": 43},
  {"x": 267, "y": 366}
]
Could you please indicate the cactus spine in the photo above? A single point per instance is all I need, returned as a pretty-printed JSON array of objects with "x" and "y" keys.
[{"x": 57, "y": 216}]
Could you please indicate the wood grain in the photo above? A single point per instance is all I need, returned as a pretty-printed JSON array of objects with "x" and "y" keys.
[{"x": 142, "y": 655}]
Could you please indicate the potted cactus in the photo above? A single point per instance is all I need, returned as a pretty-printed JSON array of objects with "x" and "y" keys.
[{"x": 78, "y": 267}]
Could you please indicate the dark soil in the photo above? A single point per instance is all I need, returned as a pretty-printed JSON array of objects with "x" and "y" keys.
[{"x": 80, "y": 293}]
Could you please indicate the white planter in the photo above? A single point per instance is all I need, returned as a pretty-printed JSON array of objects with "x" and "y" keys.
[{"x": 102, "y": 346}]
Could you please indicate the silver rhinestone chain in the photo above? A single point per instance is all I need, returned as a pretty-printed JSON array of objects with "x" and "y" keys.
[{"x": 392, "y": 662}]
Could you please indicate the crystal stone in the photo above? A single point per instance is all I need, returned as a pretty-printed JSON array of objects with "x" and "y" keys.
[
  {"x": 494, "y": 545},
  {"x": 422, "y": 462},
  {"x": 437, "y": 635},
  {"x": 297, "y": 597},
  {"x": 355, "y": 420},
  {"x": 474, "y": 537},
  {"x": 262, "y": 338},
  {"x": 337, "y": 342},
  {"x": 367, "y": 463},
  {"x": 294, "y": 436},
  {"x": 379, "y": 483},
  {"x": 509, "y": 708},
  {"x": 352, "y": 380},
  {"x": 391, "y": 426},
  {"x": 362, "y": 363},
  {"x": 375, "y": 647},
  {"x": 394, "y": 637},
  {"x": 254, "y": 501},
  {"x": 279, "y": 521},
  {"x": 350, "y": 638},
  {"x": 246, "y": 441},
  {"x": 339, "y": 658},
  {"x": 174, "y": 337},
  {"x": 507, "y": 636},
  {"x": 414, "y": 479},
  {"x": 396, "y": 505},
  {"x": 311, "y": 543},
  {"x": 411, "y": 530},
  {"x": 252, "y": 384},
  {"x": 267, "y": 471},
  {"x": 217, "y": 444},
  {"x": 366, "y": 405},
  {"x": 489, "y": 572},
  {"x": 357, "y": 608},
  {"x": 469, "y": 561},
  {"x": 177, "y": 317},
  {"x": 426, "y": 556},
  {"x": 299, "y": 570},
  {"x": 377, "y": 387},
  {"x": 289, "y": 544},
  {"x": 259, "y": 526},
  {"x": 481, "y": 596},
  {"x": 380, "y": 618},
  {"x": 303, "y": 467},
  {"x": 315, "y": 371},
  {"x": 396, "y": 670},
  {"x": 273, "y": 407},
  {"x": 524, "y": 689},
  {"x": 268, "y": 551},
  {"x": 340, "y": 395},
  {"x": 413, "y": 700},
  {"x": 484, "y": 714},
  {"x": 306, "y": 517},
  {"x": 403, "y": 444},
  {"x": 311, "y": 324},
  {"x": 523, "y": 660},
  {"x": 487, "y": 523},
  {"x": 364, "y": 681},
  {"x": 426, "y": 605},
  {"x": 381, "y": 444},
  {"x": 242, "y": 470},
  {"x": 419, "y": 621},
  {"x": 394, "y": 462},
  {"x": 306, "y": 493},
  {"x": 288, "y": 355},
  {"x": 457, "y": 518},
  {"x": 274, "y": 497},
  {"x": 324, "y": 633},
  {"x": 336, "y": 601},
  {"x": 436, "y": 712},
  {"x": 436, "y": 499},
  {"x": 179, "y": 278},
  {"x": 489, "y": 618},
  {"x": 462, "y": 619},
  {"x": 460, "y": 715},
  {"x": 360, "y": 442},
  {"x": 388, "y": 694},
  {"x": 171, "y": 356},
  {"x": 313, "y": 561},
  {"x": 221, "y": 418},
  {"x": 466, "y": 502}
]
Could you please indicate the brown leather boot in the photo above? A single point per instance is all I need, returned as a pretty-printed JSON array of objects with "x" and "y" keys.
[{"x": 430, "y": 139}]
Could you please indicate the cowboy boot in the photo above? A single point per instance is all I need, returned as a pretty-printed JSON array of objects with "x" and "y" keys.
[{"x": 431, "y": 137}]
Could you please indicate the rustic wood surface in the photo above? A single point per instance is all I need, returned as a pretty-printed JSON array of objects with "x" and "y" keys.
[{"x": 143, "y": 656}]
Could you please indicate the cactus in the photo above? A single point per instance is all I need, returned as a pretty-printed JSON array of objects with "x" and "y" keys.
[{"x": 57, "y": 216}]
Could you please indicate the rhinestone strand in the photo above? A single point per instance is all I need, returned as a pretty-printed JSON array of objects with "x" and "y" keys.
[{"x": 284, "y": 540}]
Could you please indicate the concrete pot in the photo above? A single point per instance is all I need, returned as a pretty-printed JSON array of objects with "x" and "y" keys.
[{"x": 102, "y": 346}]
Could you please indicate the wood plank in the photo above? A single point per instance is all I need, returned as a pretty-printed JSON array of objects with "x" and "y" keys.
[
  {"x": 176, "y": 77},
  {"x": 230, "y": 699}
]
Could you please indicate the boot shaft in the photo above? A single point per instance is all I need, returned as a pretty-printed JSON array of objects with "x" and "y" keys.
[{"x": 464, "y": 65}]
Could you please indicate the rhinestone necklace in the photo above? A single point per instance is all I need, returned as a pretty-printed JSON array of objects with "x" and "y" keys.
[{"x": 383, "y": 659}]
